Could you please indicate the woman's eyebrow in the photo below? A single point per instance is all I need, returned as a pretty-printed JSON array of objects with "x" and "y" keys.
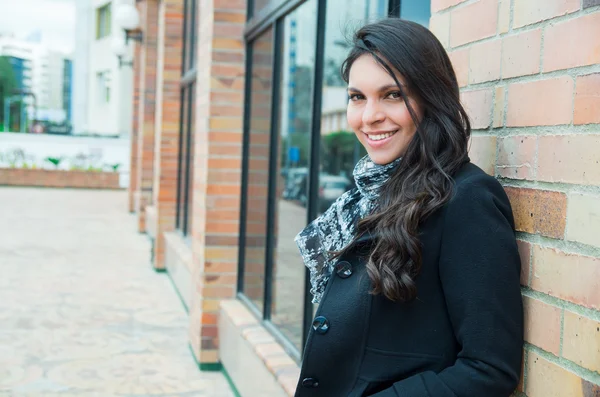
[{"x": 382, "y": 88}]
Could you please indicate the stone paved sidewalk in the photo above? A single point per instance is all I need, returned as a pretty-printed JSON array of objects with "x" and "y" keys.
[{"x": 81, "y": 311}]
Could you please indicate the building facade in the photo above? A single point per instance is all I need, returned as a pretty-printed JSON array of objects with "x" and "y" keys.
[
  {"x": 40, "y": 72},
  {"x": 239, "y": 141},
  {"x": 102, "y": 84},
  {"x": 67, "y": 89}
]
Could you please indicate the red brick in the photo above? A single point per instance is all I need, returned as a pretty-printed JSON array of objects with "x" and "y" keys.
[
  {"x": 529, "y": 103},
  {"x": 587, "y": 99},
  {"x": 527, "y": 12},
  {"x": 516, "y": 157},
  {"x": 226, "y": 16},
  {"x": 521, "y": 54},
  {"x": 460, "y": 63},
  {"x": 525, "y": 255},
  {"x": 542, "y": 324},
  {"x": 538, "y": 211},
  {"x": 572, "y": 43},
  {"x": 484, "y": 64},
  {"x": 482, "y": 151},
  {"x": 569, "y": 158},
  {"x": 584, "y": 219},
  {"x": 499, "y": 102},
  {"x": 473, "y": 22},
  {"x": 59, "y": 178},
  {"x": 439, "y": 24},
  {"x": 222, "y": 227},
  {"x": 504, "y": 16},
  {"x": 571, "y": 277},
  {"x": 438, "y": 5},
  {"x": 581, "y": 341},
  {"x": 478, "y": 105},
  {"x": 547, "y": 379}
]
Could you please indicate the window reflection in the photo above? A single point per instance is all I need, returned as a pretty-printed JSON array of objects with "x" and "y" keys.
[
  {"x": 258, "y": 169},
  {"x": 297, "y": 60},
  {"x": 416, "y": 10},
  {"x": 340, "y": 150}
]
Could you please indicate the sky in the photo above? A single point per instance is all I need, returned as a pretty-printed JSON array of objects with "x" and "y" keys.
[{"x": 55, "y": 19}]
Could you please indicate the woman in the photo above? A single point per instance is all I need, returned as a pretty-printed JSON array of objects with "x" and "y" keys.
[{"x": 416, "y": 271}]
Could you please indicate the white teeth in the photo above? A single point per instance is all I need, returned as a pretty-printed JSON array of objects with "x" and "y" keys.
[{"x": 380, "y": 137}]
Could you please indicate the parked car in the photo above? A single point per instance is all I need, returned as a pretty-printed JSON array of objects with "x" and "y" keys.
[{"x": 330, "y": 188}]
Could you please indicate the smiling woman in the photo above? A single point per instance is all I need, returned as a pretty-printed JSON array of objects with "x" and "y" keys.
[
  {"x": 416, "y": 271},
  {"x": 377, "y": 112}
]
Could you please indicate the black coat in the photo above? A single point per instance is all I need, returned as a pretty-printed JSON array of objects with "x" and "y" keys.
[{"x": 461, "y": 337}]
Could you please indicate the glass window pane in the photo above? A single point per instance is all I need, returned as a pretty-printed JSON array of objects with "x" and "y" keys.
[
  {"x": 297, "y": 58},
  {"x": 416, "y": 10},
  {"x": 182, "y": 161},
  {"x": 340, "y": 150},
  {"x": 258, "y": 168},
  {"x": 190, "y": 150},
  {"x": 258, "y": 5}
]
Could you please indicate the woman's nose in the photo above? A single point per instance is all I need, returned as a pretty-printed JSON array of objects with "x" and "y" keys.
[{"x": 372, "y": 113}]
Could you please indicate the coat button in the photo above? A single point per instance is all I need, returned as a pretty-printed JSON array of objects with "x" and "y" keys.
[
  {"x": 343, "y": 269},
  {"x": 320, "y": 325},
  {"x": 310, "y": 382}
]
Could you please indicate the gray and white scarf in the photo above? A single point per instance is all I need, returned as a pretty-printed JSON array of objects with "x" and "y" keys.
[{"x": 336, "y": 227}]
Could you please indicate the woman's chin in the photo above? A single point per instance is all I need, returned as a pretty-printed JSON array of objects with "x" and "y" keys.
[{"x": 381, "y": 158}]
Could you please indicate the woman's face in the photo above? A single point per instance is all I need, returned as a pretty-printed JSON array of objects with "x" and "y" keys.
[{"x": 377, "y": 112}]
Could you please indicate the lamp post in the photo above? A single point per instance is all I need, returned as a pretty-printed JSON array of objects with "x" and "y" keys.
[
  {"x": 119, "y": 48},
  {"x": 128, "y": 18}
]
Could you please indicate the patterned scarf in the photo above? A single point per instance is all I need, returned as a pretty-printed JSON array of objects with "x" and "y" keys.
[{"x": 336, "y": 227}]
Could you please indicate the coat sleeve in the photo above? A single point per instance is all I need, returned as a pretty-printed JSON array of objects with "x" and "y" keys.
[{"x": 480, "y": 275}]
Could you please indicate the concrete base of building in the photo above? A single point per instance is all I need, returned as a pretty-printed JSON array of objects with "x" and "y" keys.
[
  {"x": 178, "y": 262},
  {"x": 255, "y": 362},
  {"x": 151, "y": 221}
]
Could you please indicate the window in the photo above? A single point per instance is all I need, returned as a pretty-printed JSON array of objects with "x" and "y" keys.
[
  {"x": 103, "y": 21},
  {"x": 187, "y": 122},
  {"x": 190, "y": 34},
  {"x": 259, "y": 146},
  {"x": 103, "y": 87},
  {"x": 416, "y": 10},
  {"x": 257, "y": 6},
  {"x": 297, "y": 57},
  {"x": 293, "y": 76}
]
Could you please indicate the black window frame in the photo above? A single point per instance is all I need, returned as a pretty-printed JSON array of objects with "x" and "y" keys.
[
  {"x": 186, "y": 129},
  {"x": 272, "y": 16}
]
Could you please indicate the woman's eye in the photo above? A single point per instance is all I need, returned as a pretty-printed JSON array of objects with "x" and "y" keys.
[
  {"x": 395, "y": 95},
  {"x": 355, "y": 97}
]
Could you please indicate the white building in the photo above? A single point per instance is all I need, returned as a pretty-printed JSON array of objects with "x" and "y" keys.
[
  {"x": 43, "y": 75},
  {"x": 103, "y": 89}
]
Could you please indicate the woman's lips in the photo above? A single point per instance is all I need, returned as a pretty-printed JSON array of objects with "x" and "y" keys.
[{"x": 376, "y": 143}]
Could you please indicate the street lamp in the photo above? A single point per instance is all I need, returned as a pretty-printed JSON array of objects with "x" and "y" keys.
[
  {"x": 119, "y": 48},
  {"x": 128, "y": 18}
]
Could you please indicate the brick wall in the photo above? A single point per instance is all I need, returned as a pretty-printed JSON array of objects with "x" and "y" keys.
[
  {"x": 217, "y": 167},
  {"x": 166, "y": 133},
  {"x": 133, "y": 167},
  {"x": 530, "y": 77},
  {"x": 146, "y": 108},
  {"x": 59, "y": 178}
]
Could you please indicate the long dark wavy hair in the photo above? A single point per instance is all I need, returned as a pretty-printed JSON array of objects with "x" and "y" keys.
[{"x": 422, "y": 183}]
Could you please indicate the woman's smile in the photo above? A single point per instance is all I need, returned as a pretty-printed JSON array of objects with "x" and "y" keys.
[{"x": 377, "y": 111}]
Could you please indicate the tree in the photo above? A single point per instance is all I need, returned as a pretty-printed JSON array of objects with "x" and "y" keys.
[
  {"x": 8, "y": 84},
  {"x": 339, "y": 152}
]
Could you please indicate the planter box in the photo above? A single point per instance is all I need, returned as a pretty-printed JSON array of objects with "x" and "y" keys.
[{"x": 59, "y": 178}]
